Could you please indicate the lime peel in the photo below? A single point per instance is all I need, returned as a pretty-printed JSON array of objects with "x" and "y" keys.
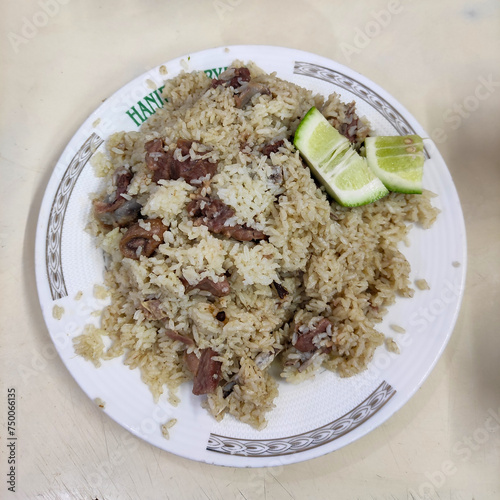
[
  {"x": 398, "y": 161},
  {"x": 340, "y": 169}
]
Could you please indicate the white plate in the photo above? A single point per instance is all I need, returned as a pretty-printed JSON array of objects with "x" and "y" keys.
[{"x": 310, "y": 419}]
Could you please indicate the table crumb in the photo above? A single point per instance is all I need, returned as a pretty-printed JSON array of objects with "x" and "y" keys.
[
  {"x": 96, "y": 122},
  {"x": 455, "y": 263},
  {"x": 100, "y": 403},
  {"x": 78, "y": 295}
]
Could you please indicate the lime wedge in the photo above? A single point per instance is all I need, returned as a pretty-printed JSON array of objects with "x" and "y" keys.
[
  {"x": 345, "y": 175},
  {"x": 398, "y": 161}
]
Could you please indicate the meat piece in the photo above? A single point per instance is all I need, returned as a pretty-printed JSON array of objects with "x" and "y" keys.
[
  {"x": 191, "y": 170},
  {"x": 115, "y": 210},
  {"x": 192, "y": 362},
  {"x": 352, "y": 125},
  {"x": 345, "y": 119},
  {"x": 272, "y": 147},
  {"x": 164, "y": 165},
  {"x": 208, "y": 374},
  {"x": 137, "y": 237},
  {"x": 214, "y": 214},
  {"x": 248, "y": 91},
  {"x": 232, "y": 77},
  {"x": 122, "y": 179},
  {"x": 190, "y": 358},
  {"x": 181, "y": 338},
  {"x": 244, "y": 233},
  {"x": 305, "y": 339},
  {"x": 127, "y": 212},
  {"x": 219, "y": 289},
  {"x": 210, "y": 212},
  {"x": 152, "y": 309},
  {"x": 280, "y": 290},
  {"x": 240, "y": 76},
  {"x": 158, "y": 160}
]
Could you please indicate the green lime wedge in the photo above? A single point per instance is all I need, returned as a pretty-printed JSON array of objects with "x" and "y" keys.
[
  {"x": 398, "y": 161},
  {"x": 345, "y": 175}
]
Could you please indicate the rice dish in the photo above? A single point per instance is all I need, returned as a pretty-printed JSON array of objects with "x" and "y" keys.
[{"x": 224, "y": 256}]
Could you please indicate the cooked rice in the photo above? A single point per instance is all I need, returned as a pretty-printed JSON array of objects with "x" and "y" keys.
[
  {"x": 422, "y": 284},
  {"x": 398, "y": 329},
  {"x": 337, "y": 263},
  {"x": 392, "y": 346},
  {"x": 168, "y": 425},
  {"x": 101, "y": 292},
  {"x": 90, "y": 344},
  {"x": 57, "y": 312}
]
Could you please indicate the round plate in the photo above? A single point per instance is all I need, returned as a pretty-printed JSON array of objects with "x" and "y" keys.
[{"x": 310, "y": 419}]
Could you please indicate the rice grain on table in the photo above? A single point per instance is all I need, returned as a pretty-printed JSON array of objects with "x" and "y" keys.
[{"x": 339, "y": 265}]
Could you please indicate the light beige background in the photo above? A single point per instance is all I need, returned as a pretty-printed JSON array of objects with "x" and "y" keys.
[{"x": 432, "y": 56}]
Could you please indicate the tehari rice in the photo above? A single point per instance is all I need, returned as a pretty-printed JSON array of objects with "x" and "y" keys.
[{"x": 340, "y": 266}]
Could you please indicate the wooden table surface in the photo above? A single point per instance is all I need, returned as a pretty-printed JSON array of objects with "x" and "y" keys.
[{"x": 61, "y": 58}]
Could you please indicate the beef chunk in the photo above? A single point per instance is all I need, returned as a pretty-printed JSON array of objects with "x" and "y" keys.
[
  {"x": 214, "y": 214},
  {"x": 208, "y": 374},
  {"x": 232, "y": 77},
  {"x": 181, "y": 338},
  {"x": 217, "y": 289},
  {"x": 247, "y": 91},
  {"x": 158, "y": 160},
  {"x": 165, "y": 166},
  {"x": 305, "y": 337},
  {"x": 192, "y": 362},
  {"x": 137, "y": 237},
  {"x": 272, "y": 147},
  {"x": 115, "y": 210},
  {"x": 152, "y": 309}
]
